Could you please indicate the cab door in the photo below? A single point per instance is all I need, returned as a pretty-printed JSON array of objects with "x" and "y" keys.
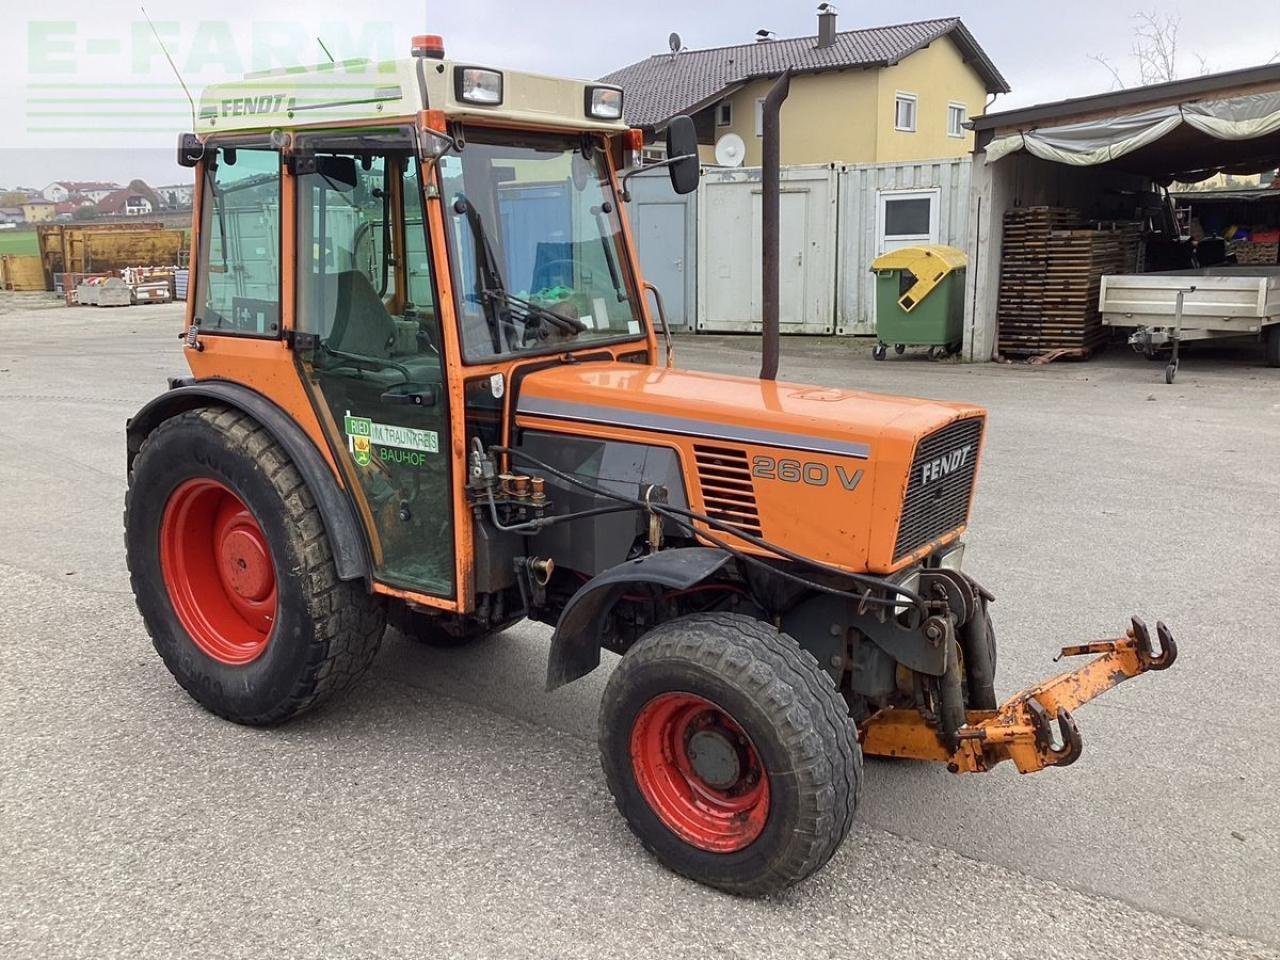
[{"x": 369, "y": 347}]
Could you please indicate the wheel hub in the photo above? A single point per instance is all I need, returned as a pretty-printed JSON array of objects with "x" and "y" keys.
[
  {"x": 699, "y": 772},
  {"x": 245, "y": 565},
  {"x": 715, "y": 759}
]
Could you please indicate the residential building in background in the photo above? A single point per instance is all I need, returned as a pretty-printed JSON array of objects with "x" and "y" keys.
[
  {"x": 60, "y": 191},
  {"x": 135, "y": 200},
  {"x": 876, "y": 95},
  {"x": 39, "y": 211}
]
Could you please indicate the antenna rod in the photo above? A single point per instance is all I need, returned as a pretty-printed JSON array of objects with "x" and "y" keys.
[
  {"x": 770, "y": 221},
  {"x": 173, "y": 66}
]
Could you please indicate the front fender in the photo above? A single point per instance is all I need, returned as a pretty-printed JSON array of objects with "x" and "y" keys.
[
  {"x": 346, "y": 537},
  {"x": 575, "y": 645}
]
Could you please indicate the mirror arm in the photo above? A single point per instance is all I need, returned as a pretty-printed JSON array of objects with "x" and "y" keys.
[{"x": 626, "y": 177}]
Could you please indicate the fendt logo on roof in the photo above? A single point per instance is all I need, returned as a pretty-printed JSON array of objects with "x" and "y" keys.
[
  {"x": 945, "y": 465},
  {"x": 251, "y": 106}
]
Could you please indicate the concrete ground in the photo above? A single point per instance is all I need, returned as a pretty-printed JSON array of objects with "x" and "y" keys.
[{"x": 449, "y": 807}]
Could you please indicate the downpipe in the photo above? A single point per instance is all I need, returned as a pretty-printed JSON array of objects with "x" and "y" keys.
[{"x": 771, "y": 216}]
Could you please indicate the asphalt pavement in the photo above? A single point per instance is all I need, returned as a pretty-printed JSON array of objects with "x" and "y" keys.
[{"x": 448, "y": 807}]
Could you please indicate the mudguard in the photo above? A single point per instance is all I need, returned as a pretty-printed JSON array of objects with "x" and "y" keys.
[
  {"x": 575, "y": 645},
  {"x": 350, "y": 551}
]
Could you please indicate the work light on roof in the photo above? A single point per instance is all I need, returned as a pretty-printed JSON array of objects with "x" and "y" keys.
[
  {"x": 604, "y": 103},
  {"x": 479, "y": 86}
]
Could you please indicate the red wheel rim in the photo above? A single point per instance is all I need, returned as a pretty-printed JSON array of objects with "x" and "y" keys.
[
  {"x": 700, "y": 772},
  {"x": 217, "y": 568}
]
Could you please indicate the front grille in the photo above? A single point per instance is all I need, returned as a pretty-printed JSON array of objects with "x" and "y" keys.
[
  {"x": 940, "y": 486},
  {"x": 728, "y": 493}
]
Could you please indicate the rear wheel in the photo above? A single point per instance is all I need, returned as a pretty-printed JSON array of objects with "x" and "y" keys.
[
  {"x": 233, "y": 573},
  {"x": 730, "y": 753}
]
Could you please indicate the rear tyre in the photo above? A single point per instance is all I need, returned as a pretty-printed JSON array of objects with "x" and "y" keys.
[
  {"x": 234, "y": 575},
  {"x": 1171, "y": 372},
  {"x": 730, "y": 753},
  {"x": 1273, "y": 345}
]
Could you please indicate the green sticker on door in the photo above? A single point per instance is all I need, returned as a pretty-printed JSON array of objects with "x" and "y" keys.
[{"x": 399, "y": 445}]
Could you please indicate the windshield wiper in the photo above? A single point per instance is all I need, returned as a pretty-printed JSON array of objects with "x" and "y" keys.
[
  {"x": 569, "y": 325},
  {"x": 488, "y": 277}
]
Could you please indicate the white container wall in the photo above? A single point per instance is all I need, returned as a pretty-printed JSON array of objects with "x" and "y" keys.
[
  {"x": 666, "y": 233},
  {"x": 729, "y": 245},
  {"x": 887, "y": 206}
]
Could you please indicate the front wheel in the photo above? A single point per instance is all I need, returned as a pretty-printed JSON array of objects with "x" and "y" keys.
[
  {"x": 234, "y": 575},
  {"x": 730, "y": 753}
]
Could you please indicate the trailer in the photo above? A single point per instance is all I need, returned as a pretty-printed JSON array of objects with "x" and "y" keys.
[{"x": 1217, "y": 303}]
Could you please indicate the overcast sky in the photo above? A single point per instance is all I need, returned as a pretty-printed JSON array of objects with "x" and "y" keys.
[{"x": 102, "y": 51}]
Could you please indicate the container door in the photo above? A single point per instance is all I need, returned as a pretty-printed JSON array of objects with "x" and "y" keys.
[{"x": 660, "y": 234}]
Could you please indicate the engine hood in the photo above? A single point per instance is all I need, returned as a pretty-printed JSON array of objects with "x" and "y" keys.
[{"x": 789, "y": 416}]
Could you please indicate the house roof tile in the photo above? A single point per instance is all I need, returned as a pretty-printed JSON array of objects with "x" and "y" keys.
[{"x": 662, "y": 86}]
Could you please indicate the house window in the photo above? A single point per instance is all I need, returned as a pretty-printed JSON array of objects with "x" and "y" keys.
[
  {"x": 904, "y": 113},
  {"x": 760, "y": 117},
  {"x": 957, "y": 114},
  {"x": 907, "y": 218},
  {"x": 724, "y": 114}
]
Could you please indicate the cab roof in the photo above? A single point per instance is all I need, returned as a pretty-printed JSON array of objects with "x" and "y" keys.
[{"x": 358, "y": 91}]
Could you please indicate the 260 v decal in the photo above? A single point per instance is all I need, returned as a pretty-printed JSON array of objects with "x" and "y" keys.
[{"x": 813, "y": 473}]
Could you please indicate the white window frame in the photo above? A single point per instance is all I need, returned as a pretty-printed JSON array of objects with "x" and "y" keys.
[
  {"x": 960, "y": 132},
  {"x": 721, "y": 108},
  {"x": 885, "y": 197},
  {"x": 759, "y": 116},
  {"x": 900, "y": 98}
]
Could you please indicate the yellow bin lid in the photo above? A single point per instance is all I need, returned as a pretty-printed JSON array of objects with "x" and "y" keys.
[{"x": 935, "y": 261}]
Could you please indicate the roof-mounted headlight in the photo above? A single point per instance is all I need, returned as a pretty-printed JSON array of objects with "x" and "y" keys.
[
  {"x": 478, "y": 85},
  {"x": 604, "y": 103}
]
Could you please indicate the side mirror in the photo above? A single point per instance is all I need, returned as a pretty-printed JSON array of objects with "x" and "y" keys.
[
  {"x": 190, "y": 150},
  {"x": 682, "y": 155}
]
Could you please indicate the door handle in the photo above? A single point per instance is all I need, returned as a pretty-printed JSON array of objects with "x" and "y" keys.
[{"x": 427, "y": 396}]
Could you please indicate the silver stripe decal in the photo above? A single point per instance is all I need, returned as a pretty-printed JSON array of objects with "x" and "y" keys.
[{"x": 564, "y": 410}]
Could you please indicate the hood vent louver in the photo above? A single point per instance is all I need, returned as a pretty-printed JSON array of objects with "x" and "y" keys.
[{"x": 728, "y": 492}]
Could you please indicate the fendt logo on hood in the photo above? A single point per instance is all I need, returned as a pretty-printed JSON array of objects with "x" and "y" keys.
[{"x": 945, "y": 465}]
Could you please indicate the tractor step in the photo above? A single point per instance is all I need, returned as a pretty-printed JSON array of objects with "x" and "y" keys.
[{"x": 1022, "y": 729}]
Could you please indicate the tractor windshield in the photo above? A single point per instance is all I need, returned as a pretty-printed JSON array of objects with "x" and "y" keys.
[{"x": 536, "y": 242}]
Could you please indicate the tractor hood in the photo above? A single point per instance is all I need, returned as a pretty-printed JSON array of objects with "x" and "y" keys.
[{"x": 789, "y": 416}]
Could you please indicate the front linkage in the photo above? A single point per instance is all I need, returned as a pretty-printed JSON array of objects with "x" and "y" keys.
[{"x": 1021, "y": 729}]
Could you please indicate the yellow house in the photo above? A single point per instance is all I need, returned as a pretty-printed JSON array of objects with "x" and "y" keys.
[
  {"x": 875, "y": 95},
  {"x": 38, "y": 211}
]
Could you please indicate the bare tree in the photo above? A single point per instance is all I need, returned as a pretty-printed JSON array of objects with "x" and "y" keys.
[{"x": 1154, "y": 50}]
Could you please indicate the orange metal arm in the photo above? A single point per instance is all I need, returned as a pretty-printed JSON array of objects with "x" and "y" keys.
[{"x": 1021, "y": 730}]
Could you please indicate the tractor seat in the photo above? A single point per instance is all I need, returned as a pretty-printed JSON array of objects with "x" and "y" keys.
[{"x": 361, "y": 322}]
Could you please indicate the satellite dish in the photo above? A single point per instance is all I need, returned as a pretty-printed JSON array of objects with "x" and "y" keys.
[
  {"x": 675, "y": 43},
  {"x": 731, "y": 151}
]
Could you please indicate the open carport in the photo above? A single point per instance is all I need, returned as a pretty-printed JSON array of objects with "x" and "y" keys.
[{"x": 1105, "y": 164}]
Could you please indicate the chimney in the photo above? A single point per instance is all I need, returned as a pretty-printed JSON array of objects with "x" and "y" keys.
[{"x": 826, "y": 25}]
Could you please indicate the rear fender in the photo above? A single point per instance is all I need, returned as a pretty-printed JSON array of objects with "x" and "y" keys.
[
  {"x": 350, "y": 549},
  {"x": 575, "y": 645}
]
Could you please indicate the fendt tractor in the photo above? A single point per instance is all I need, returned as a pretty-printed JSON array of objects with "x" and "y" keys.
[{"x": 427, "y": 390}]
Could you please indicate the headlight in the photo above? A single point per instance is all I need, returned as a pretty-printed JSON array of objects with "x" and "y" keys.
[
  {"x": 953, "y": 558},
  {"x": 477, "y": 85},
  {"x": 909, "y": 580},
  {"x": 604, "y": 103}
]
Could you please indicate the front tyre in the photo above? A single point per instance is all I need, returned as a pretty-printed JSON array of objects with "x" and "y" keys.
[
  {"x": 233, "y": 572},
  {"x": 730, "y": 753}
]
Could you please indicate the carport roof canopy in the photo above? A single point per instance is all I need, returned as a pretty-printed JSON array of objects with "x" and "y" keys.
[{"x": 1187, "y": 138}]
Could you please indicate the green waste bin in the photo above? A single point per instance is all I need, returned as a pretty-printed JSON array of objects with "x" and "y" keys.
[{"x": 920, "y": 300}]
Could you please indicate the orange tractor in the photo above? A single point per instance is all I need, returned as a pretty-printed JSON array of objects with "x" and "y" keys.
[{"x": 426, "y": 391}]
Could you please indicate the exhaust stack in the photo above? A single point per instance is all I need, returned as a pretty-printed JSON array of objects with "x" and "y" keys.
[{"x": 771, "y": 215}]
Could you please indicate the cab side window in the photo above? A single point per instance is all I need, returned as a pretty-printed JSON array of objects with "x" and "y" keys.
[{"x": 238, "y": 283}]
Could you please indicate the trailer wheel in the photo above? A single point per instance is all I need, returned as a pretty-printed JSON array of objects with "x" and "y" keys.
[
  {"x": 899, "y": 348},
  {"x": 233, "y": 572},
  {"x": 730, "y": 753},
  {"x": 1273, "y": 345},
  {"x": 1171, "y": 371},
  {"x": 879, "y": 351}
]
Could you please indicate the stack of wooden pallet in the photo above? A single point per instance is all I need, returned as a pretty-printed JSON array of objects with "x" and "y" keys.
[{"x": 1051, "y": 274}]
